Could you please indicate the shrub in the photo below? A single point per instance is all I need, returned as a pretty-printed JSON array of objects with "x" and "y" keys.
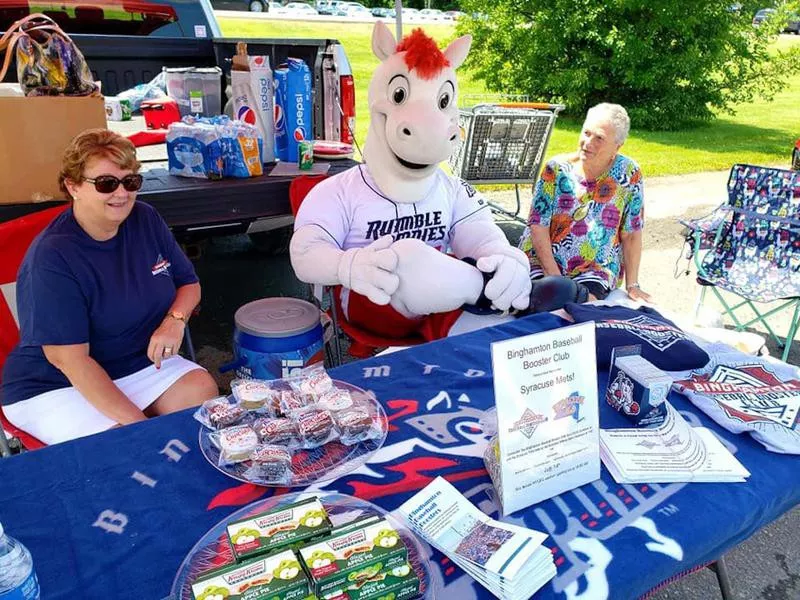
[{"x": 671, "y": 63}]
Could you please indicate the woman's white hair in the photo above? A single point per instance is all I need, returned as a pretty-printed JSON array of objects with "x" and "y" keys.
[{"x": 614, "y": 114}]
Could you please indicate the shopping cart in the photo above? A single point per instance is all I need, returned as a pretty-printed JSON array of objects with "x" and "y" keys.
[{"x": 504, "y": 142}]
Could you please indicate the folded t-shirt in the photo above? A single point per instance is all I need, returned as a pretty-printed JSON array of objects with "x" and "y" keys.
[
  {"x": 663, "y": 343},
  {"x": 748, "y": 394}
]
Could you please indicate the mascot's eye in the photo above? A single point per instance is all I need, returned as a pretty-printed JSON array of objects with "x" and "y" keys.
[
  {"x": 446, "y": 94},
  {"x": 398, "y": 89},
  {"x": 399, "y": 95}
]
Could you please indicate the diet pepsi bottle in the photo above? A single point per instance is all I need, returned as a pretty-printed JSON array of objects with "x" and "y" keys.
[
  {"x": 292, "y": 108},
  {"x": 281, "y": 136},
  {"x": 17, "y": 577}
]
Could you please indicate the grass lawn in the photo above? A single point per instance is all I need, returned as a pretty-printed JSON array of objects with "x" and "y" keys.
[{"x": 759, "y": 133}]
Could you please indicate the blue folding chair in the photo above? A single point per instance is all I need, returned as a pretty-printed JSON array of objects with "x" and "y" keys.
[{"x": 752, "y": 245}]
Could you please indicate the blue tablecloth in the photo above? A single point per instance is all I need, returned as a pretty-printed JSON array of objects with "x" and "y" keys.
[{"x": 113, "y": 515}]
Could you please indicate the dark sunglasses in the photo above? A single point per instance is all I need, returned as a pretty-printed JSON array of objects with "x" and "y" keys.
[{"x": 105, "y": 184}]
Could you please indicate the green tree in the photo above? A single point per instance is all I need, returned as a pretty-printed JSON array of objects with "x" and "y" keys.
[{"x": 669, "y": 62}]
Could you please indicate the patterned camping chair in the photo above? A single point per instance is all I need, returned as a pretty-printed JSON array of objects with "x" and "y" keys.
[{"x": 753, "y": 246}]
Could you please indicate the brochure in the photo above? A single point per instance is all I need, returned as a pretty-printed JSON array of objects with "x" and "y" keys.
[
  {"x": 508, "y": 560},
  {"x": 673, "y": 452}
]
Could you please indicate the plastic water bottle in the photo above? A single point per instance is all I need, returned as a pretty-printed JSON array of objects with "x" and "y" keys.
[{"x": 17, "y": 577}]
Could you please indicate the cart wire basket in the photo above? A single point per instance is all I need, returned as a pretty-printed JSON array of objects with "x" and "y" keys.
[{"x": 503, "y": 143}]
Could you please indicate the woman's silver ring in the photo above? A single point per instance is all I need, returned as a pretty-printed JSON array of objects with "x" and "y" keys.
[{"x": 167, "y": 350}]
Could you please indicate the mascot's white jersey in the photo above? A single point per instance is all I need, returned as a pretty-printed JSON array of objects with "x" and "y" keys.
[{"x": 351, "y": 210}]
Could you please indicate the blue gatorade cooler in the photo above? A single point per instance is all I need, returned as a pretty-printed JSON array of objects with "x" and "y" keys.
[{"x": 275, "y": 337}]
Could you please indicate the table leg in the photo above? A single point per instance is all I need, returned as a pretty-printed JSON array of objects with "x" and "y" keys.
[{"x": 721, "y": 570}]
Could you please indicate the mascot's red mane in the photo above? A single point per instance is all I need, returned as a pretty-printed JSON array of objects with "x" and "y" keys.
[{"x": 422, "y": 54}]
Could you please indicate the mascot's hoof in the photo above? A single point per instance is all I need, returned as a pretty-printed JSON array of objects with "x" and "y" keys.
[{"x": 554, "y": 292}]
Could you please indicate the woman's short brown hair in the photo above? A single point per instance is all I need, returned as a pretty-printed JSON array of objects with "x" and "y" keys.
[{"x": 94, "y": 143}]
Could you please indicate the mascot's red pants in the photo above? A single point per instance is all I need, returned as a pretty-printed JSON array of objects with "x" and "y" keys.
[{"x": 386, "y": 322}]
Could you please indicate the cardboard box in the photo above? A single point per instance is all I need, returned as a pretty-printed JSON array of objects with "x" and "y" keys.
[
  {"x": 636, "y": 388},
  {"x": 401, "y": 583},
  {"x": 353, "y": 554},
  {"x": 35, "y": 132},
  {"x": 284, "y": 526},
  {"x": 275, "y": 577}
]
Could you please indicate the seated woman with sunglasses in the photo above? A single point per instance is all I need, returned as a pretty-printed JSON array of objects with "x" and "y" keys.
[{"x": 103, "y": 293}]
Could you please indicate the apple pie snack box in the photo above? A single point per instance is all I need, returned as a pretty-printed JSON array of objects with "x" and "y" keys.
[
  {"x": 353, "y": 553},
  {"x": 285, "y": 526},
  {"x": 275, "y": 577},
  {"x": 401, "y": 582}
]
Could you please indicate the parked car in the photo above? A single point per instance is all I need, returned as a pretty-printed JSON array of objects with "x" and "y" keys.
[
  {"x": 383, "y": 13},
  {"x": 762, "y": 16},
  {"x": 432, "y": 14},
  {"x": 276, "y": 8},
  {"x": 355, "y": 9},
  {"x": 411, "y": 14},
  {"x": 792, "y": 24},
  {"x": 327, "y": 7},
  {"x": 300, "y": 9},
  {"x": 455, "y": 14},
  {"x": 251, "y": 5}
]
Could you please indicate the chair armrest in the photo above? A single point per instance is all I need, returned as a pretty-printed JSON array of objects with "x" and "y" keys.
[
  {"x": 703, "y": 233},
  {"x": 709, "y": 222}
]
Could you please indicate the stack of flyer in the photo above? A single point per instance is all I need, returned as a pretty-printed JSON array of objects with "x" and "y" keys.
[
  {"x": 673, "y": 452},
  {"x": 508, "y": 560}
]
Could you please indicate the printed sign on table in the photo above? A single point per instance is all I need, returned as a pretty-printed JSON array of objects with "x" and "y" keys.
[{"x": 545, "y": 388}]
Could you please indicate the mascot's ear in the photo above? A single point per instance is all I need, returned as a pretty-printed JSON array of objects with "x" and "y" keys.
[
  {"x": 457, "y": 51},
  {"x": 383, "y": 42}
]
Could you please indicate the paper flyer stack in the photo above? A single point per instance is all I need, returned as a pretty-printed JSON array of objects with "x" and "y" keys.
[
  {"x": 673, "y": 452},
  {"x": 508, "y": 560}
]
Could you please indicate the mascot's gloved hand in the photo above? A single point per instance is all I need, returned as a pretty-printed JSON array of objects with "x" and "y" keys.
[
  {"x": 510, "y": 286},
  {"x": 431, "y": 281},
  {"x": 370, "y": 271}
]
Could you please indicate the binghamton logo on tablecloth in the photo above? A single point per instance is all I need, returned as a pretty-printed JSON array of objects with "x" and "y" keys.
[
  {"x": 659, "y": 335},
  {"x": 749, "y": 393},
  {"x": 528, "y": 423}
]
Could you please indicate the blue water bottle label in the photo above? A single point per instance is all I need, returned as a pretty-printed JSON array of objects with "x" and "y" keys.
[{"x": 27, "y": 590}]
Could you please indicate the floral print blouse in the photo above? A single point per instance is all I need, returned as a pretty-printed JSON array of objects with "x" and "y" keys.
[{"x": 586, "y": 218}]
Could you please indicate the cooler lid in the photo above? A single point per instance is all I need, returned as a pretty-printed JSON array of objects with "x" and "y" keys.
[{"x": 277, "y": 317}]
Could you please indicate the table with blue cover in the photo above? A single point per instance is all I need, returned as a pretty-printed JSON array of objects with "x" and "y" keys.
[{"x": 113, "y": 515}]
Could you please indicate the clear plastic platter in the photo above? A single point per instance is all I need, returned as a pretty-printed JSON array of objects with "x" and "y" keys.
[
  {"x": 214, "y": 551},
  {"x": 325, "y": 463}
]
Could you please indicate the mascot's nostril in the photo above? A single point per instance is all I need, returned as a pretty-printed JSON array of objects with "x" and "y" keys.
[
  {"x": 453, "y": 138},
  {"x": 406, "y": 131}
]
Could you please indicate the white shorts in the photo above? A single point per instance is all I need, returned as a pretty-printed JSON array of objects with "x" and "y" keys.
[{"x": 64, "y": 414}]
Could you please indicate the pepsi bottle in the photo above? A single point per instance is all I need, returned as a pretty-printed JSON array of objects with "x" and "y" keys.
[{"x": 292, "y": 108}]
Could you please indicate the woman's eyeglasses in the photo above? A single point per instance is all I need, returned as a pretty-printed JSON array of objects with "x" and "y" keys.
[{"x": 106, "y": 184}]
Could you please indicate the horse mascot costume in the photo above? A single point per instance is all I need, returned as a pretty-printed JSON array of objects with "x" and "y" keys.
[{"x": 413, "y": 250}]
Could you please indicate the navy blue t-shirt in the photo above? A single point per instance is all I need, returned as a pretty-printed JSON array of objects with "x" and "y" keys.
[
  {"x": 72, "y": 289},
  {"x": 663, "y": 343}
]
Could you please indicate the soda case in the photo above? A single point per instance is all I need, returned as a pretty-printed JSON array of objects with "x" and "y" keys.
[
  {"x": 253, "y": 101},
  {"x": 212, "y": 148},
  {"x": 293, "y": 122}
]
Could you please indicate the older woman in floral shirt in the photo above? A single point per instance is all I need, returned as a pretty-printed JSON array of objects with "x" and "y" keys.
[{"x": 587, "y": 211}]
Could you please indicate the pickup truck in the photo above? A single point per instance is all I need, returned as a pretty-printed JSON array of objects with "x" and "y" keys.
[{"x": 127, "y": 42}]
